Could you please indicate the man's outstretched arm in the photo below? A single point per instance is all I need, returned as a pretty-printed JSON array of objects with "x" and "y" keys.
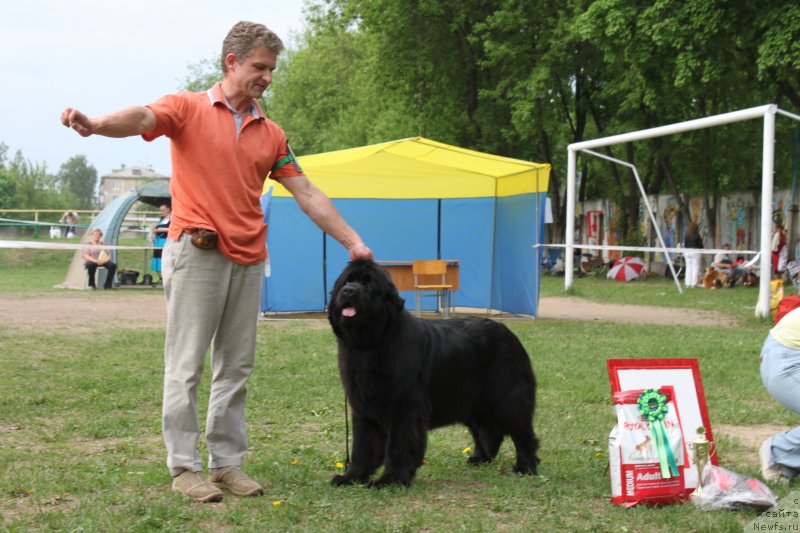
[{"x": 125, "y": 122}]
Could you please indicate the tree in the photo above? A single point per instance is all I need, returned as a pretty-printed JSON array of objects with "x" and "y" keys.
[
  {"x": 8, "y": 189},
  {"x": 323, "y": 106},
  {"x": 778, "y": 51},
  {"x": 202, "y": 75},
  {"x": 79, "y": 178},
  {"x": 432, "y": 61},
  {"x": 675, "y": 60},
  {"x": 548, "y": 76},
  {"x": 27, "y": 185}
]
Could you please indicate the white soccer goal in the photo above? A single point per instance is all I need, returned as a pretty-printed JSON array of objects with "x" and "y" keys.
[{"x": 768, "y": 113}]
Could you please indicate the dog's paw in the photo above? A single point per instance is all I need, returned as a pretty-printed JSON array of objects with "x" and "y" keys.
[
  {"x": 527, "y": 470},
  {"x": 387, "y": 481},
  {"x": 340, "y": 481}
]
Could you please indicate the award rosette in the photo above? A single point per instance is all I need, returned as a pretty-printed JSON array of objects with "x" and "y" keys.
[
  {"x": 646, "y": 448},
  {"x": 653, "y": 406}
]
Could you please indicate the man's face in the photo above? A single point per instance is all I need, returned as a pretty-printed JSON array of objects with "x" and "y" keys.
[{"x": 253, "y": 75}]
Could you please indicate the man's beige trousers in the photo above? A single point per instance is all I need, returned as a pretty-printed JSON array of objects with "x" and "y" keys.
[{"x": 211, "y": 301}]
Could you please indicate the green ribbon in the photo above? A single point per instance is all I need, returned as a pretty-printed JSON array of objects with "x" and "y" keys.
[{"x": 653, "y": 407}]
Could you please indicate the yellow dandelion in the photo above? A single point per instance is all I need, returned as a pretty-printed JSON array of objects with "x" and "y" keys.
[
  {"x": 295, "y": 461},
  {"x": 339, "y": 465},
  {"x": 467, "y": 450},
  {"x": 277, "y": 503}
]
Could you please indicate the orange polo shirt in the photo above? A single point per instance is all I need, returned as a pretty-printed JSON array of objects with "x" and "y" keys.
[{"x": 218, "y": 173}]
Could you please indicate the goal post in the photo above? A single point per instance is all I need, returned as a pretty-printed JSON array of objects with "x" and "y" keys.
[{"x": 767, "y": 112}]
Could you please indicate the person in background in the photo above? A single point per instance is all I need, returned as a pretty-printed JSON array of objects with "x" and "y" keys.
[
  {"x": 70, "y": 218},
  {"x": 724, "y": 262},
  {"x": 692, "y": 242},
  {"x": 160, "y": 232},
  {"x": 780, "y": 372},
  {"x": 779, "y": 250},
  {"x": 94, "y": 256},
  {"x": 223, "y": 148}
]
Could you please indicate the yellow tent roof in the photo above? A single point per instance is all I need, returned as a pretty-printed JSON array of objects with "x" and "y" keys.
[{"x": 419, "y": 168}]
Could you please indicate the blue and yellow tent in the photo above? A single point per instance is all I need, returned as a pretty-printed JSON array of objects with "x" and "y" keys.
[{"x": 415, "y": 199}]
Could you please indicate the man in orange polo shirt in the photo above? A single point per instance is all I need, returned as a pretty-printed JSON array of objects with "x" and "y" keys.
[{"x": 223, "y": 147}]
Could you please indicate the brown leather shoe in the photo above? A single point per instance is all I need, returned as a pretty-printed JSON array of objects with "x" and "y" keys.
[
  {"x": 196, "y": 487},
  {"x": 236, "y": 481}
]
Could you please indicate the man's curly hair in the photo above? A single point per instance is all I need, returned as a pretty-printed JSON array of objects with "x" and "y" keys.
[{"x": 244, "y": 37}]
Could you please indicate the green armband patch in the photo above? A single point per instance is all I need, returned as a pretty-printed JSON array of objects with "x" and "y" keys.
[{"x": 290, "y": 158}]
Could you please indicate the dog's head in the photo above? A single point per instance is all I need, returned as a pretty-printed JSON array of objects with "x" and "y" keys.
[{"x": 363, "y": 303}]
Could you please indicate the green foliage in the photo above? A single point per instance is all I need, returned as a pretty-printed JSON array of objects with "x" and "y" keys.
[
  {"x": 634, "y": 238},
  {"x": 79, "y": 178},
  {"x": 778, "y": 54},
  {"x": 525, "y": 79},
  {"x": 8, "y": 188},
  {"x": 202, "y": 75},
  {"x": 323, "y": 106},
  {"x": 27, "y": 185}
]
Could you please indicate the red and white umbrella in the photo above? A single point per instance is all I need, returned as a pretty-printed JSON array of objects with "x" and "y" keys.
[{"x": 626, "y": 269}]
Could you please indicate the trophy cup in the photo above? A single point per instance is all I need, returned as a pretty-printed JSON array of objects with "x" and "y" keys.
[{"x": 701, "y": 450}]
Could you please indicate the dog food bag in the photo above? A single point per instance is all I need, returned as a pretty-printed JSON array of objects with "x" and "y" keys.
[{"x": 645, "y": 449}]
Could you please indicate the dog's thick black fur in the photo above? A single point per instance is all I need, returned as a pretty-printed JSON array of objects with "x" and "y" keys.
[{"x": 404, "y": 376}]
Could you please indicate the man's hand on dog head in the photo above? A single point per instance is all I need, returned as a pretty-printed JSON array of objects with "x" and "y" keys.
[{"x": 360, "y": 251}]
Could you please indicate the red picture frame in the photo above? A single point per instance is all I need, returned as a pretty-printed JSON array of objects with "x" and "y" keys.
[{"x": 682, "y": 374}]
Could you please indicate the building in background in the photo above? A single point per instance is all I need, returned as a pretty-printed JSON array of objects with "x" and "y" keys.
[{"x": 122, "y": 181}]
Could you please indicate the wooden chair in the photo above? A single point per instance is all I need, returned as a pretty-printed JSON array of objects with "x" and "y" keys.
[{"x": 430, "y": 276}]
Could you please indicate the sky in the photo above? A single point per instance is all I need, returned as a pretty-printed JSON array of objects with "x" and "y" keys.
[{"x": 102, "y": 55}]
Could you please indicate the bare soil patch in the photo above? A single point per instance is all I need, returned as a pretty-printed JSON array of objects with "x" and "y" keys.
[
  {"x": 80, "y": 312},
  {"x": 570, "y": 308},
  {"x": 750, "y": 437}
]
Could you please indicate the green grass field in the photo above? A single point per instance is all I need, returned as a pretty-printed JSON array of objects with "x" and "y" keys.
[{"x": 80, "y": 446}]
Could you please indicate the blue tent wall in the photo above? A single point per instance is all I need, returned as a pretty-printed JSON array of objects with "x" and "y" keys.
[
  {"x": 296, "y": 261},
  {"x": 305, "y": 262},
  {"x": 516, "y": 269},
  {"x": 403, "y": 230},
  {"x": 467, "y": 234},
  {"x": 492, "y": 237},
  {"x": 395, "y": 230}
]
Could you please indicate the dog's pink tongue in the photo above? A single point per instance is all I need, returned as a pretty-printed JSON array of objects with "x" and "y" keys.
[{"x": 349, "y": 311}]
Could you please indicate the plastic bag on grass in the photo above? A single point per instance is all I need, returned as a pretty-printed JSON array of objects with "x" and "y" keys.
[{"x": 723, "y": 489}]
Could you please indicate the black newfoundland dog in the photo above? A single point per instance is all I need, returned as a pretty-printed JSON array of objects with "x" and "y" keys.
[{"x": 404, "y": 376}]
